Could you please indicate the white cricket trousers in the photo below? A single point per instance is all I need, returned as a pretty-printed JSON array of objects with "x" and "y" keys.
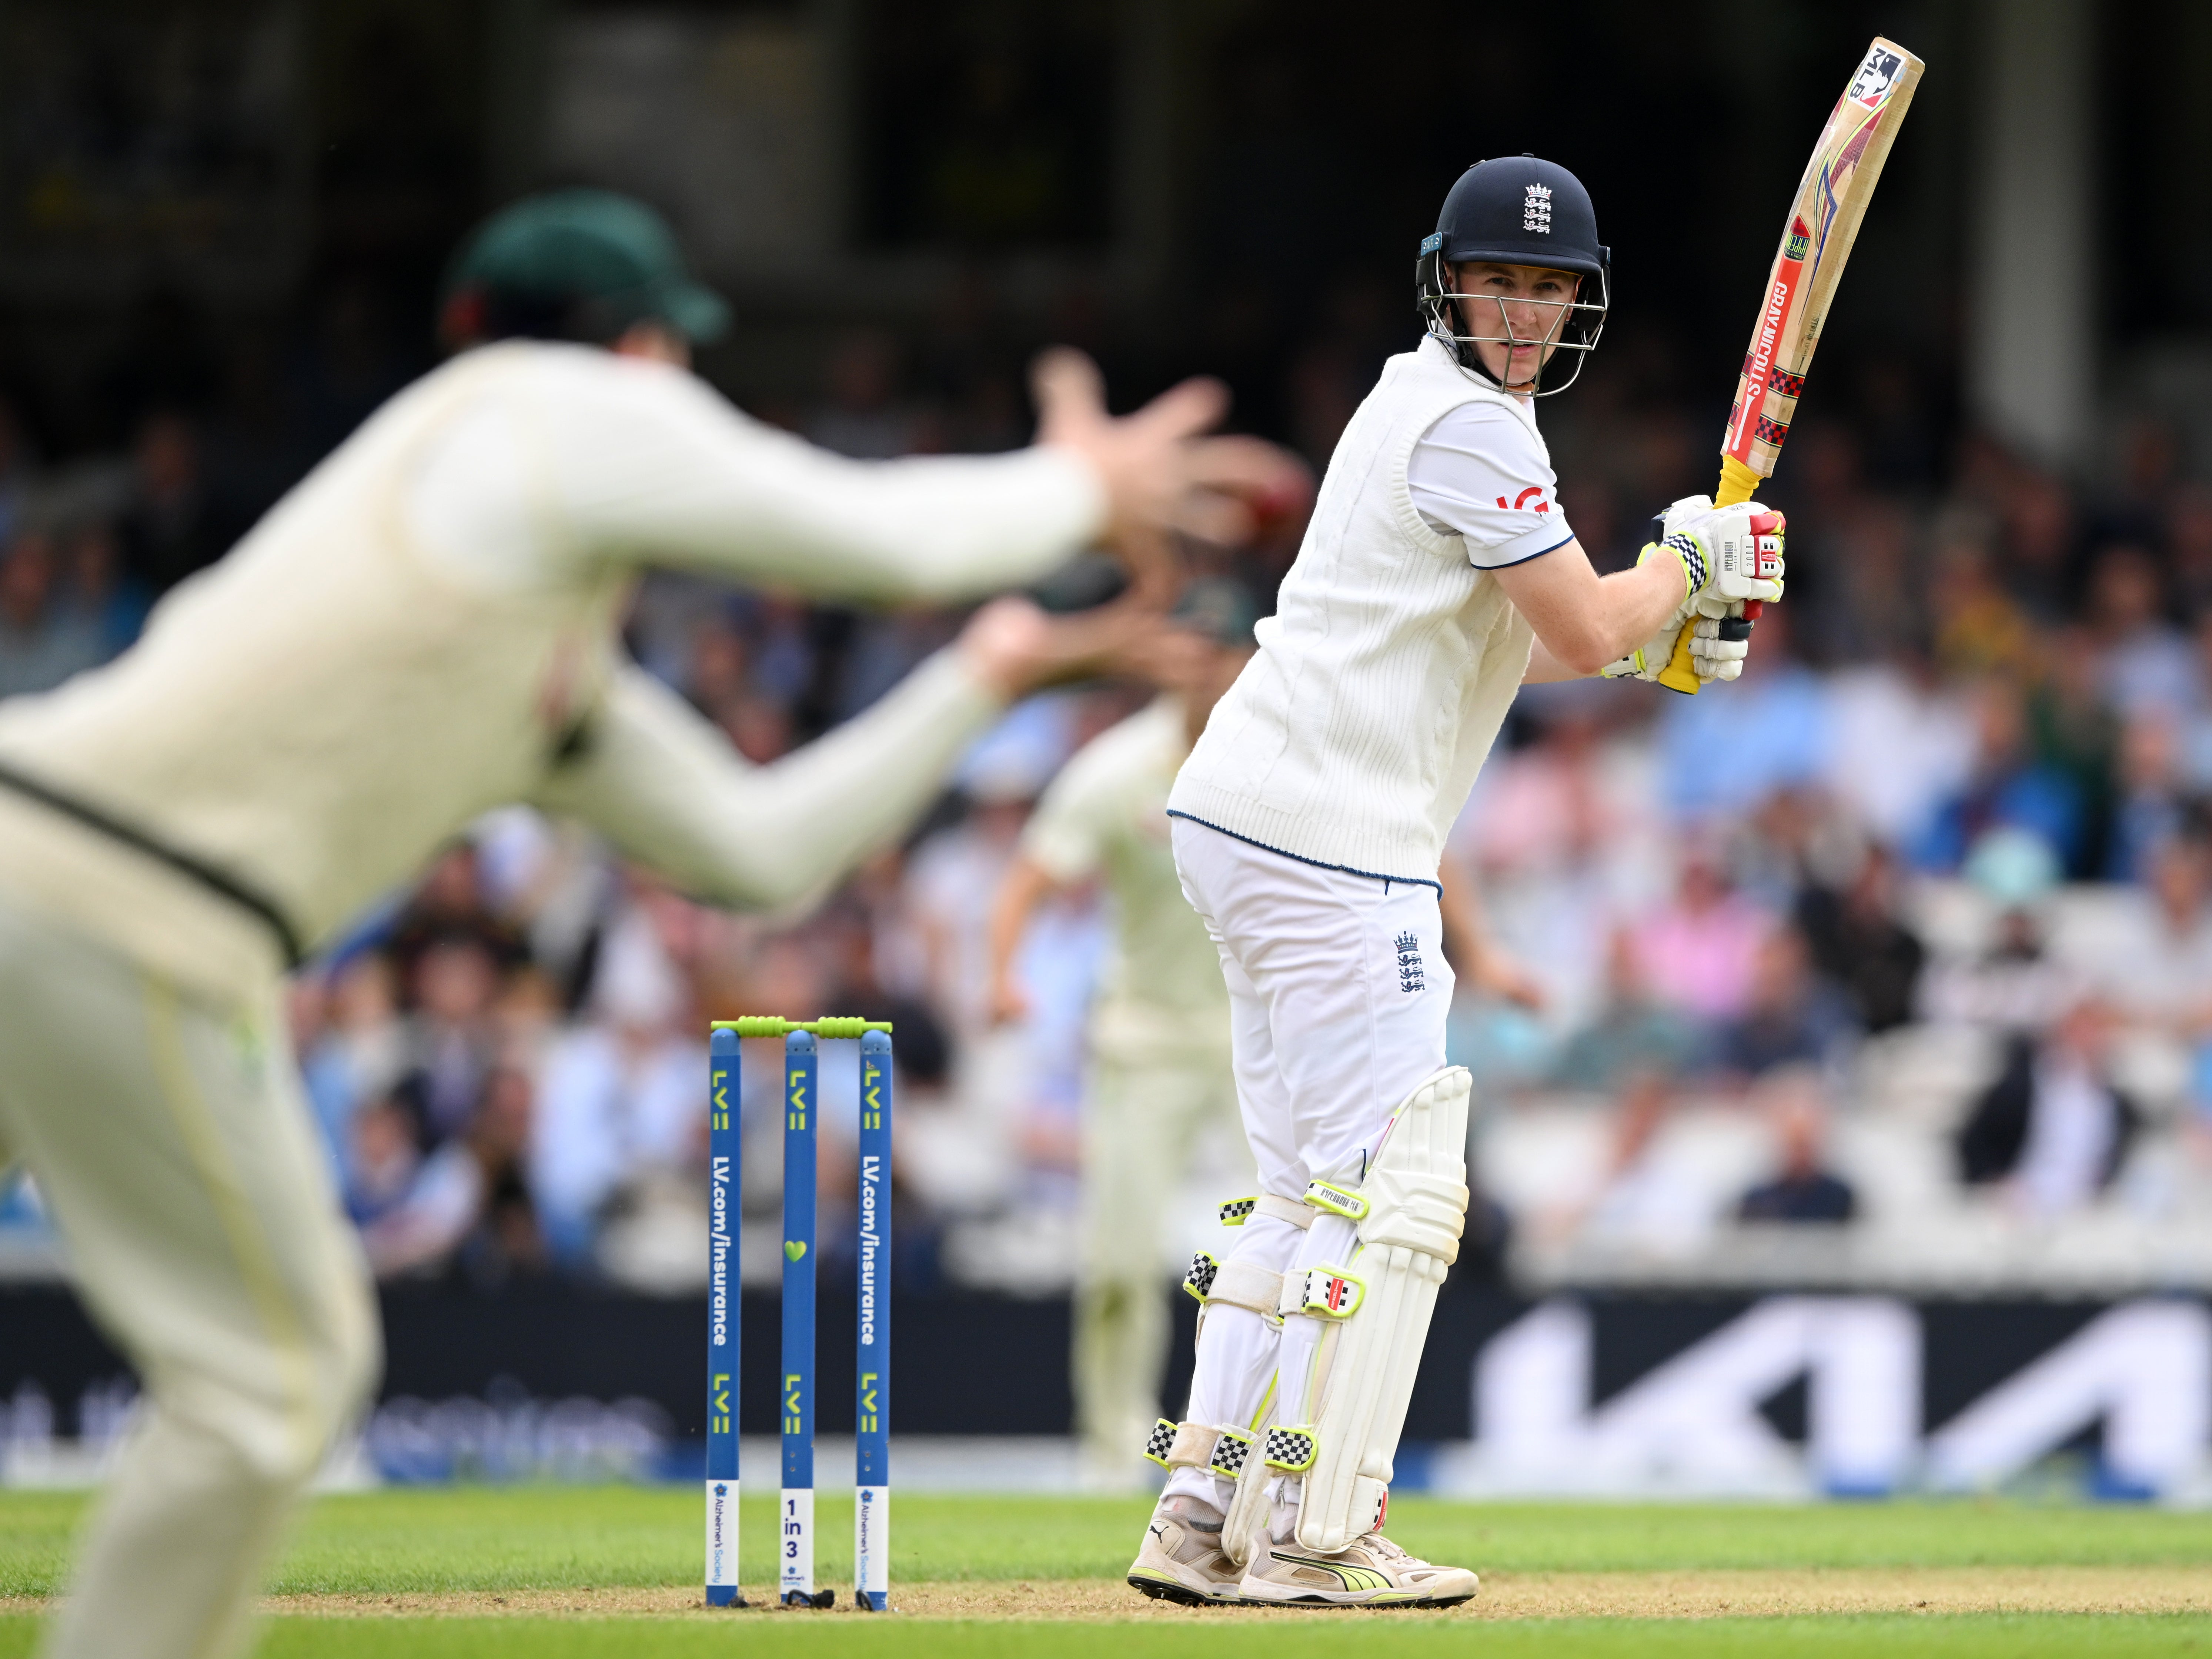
[
  {"x": 1337, "y": 991},
  {"x": 175, "y": 1153}
]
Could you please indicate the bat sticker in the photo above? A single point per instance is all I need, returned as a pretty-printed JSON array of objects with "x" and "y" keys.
[{"x": 1871, "y": 85}]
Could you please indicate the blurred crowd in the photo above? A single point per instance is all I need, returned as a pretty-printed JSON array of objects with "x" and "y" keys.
[
  {"x": 1986, "y": 681},
  {"x": 1960, "y": 793}
]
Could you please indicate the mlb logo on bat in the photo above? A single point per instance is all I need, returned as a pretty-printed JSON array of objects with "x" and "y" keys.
[
  {"x": 1536, "y": 211},
  {"x": 1872, "y": 83}
]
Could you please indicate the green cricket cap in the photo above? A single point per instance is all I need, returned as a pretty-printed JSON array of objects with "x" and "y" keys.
[{"x": 593, "y": 253}]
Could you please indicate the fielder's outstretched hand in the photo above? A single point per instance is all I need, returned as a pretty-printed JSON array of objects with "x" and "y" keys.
[
  {"x": 1015, "y": 647},
  {"x": 1160, "y": 471}
]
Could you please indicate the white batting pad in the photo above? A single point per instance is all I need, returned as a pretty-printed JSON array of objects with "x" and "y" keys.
[
  {"x": 1248, "y": 1508},
  {"x": 1415, "y": 1206}
]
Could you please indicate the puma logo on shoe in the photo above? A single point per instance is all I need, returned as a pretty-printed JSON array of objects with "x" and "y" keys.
[
  {"x": 1353, "y": 1579},
  {"x": 1371, "y": 1572},
  {"x": 1181, "y": 1558}
]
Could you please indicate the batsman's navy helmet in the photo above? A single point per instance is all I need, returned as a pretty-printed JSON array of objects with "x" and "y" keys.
[{"x": 1517, "y": 211}]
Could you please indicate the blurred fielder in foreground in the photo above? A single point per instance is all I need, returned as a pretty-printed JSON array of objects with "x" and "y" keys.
[{"x": 424, "y": 628}]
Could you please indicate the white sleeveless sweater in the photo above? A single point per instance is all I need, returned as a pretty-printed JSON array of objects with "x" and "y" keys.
[{"x": 1353, "y": 736}]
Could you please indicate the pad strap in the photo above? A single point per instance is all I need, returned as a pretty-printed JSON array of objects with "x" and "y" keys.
[
  {"x": 1292, "y": 1449},
  {"x": 1238, "y": 1210},
  {"x": 1160, "y": 1442},
  {"x": 1346, "y": 1201},
  {"x": 1287, "y": 1209},
  {"x": 1180, "y": 1445},
  {"x": 1197, "y": 1280},
  {"x": 1324, "y": 1293},
  {"x": 1197, "y": 1446},
  {"x": 1244, "y": 1284},
  {"x": 1232, "y": 1449}
]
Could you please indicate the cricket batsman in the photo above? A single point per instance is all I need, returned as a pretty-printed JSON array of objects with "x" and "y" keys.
[
  {"x": 424, "y": 628},
  {"x": 1160, "y": 1073},
  {"x": 1437, "y": 575}
]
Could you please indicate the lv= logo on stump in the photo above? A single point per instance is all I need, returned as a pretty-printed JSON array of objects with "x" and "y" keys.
[{"x": 871, "y": 1370}]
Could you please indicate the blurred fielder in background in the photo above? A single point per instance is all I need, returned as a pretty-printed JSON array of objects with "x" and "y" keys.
[
  {"x": 1158, "y": 1076},
  {"x": 426, "y": 627}
]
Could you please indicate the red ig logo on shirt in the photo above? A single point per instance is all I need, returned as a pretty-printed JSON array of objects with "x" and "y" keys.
[{"x": 1522, "y": 500}]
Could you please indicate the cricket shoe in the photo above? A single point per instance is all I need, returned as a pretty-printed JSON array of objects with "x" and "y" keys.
[
  {"x": 1371, "y": 1571},
  {"x": 1182, "y": 1559}
]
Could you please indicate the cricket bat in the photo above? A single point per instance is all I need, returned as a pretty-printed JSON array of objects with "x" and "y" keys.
[{"x": 1816, "y": 240}]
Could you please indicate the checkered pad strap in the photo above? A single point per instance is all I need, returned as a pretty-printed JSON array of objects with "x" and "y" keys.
[
  {"x": 1238, "y": 1210},
  {"x": 1199, "y": 1281},
  {"x": 1230, "y": 1450},
  {"x": 1326, "y": 1292},
  {"x": 1160, "y": 1442},
  {"x": 1195, "y": 1446},
  {"x": 1291, "y": 1451}
]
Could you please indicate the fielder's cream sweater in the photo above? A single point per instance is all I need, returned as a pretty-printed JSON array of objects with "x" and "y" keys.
[
  {"x": 426, "y": 627},
  {"x": 1353, "y": 736}
]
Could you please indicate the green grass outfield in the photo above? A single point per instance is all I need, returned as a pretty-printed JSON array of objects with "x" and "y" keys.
[
  {"x": 357, "y": 1549},
  {"x": 2057, "y": 1637}
]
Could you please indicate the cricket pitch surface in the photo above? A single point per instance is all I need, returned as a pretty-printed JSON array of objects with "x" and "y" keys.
[{"x": 553, "y": 1572}]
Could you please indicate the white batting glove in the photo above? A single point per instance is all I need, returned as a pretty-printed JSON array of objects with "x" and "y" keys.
[
  {"x": 1729, "y": 555},
  {"x": 1718, "y": 645}
]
